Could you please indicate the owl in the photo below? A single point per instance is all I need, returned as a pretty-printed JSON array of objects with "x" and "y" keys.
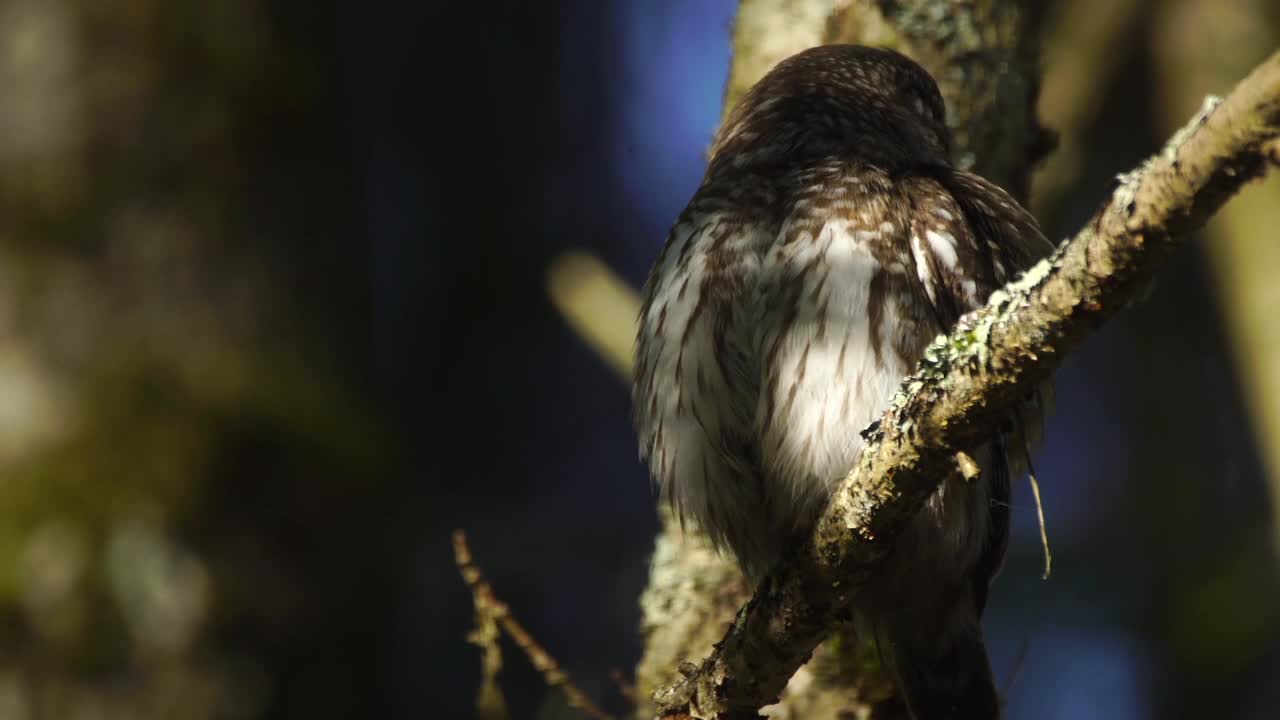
[{"x": 830, "y": 241}]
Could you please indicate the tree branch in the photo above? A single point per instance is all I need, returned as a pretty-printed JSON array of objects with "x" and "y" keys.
[
  {"x": 492, "y": 614},
  {"x": 969, "y": 380}
]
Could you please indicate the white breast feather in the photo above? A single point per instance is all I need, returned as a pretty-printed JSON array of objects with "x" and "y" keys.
[
  {"x": 832, "y": 384},
  {"x": 686, "y": 406}
]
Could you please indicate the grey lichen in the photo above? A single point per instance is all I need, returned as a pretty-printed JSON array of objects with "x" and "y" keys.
[
  {"x": 969, "y": 342},
  {"x": 938, "y": 21},
  {"x": 688, "y": 603},
  {"x": 1211, "y": 102}
]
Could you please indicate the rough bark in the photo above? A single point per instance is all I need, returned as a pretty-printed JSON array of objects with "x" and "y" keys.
[
  {"x": 970, "y": 378},
  {"x": 983, "y": 55}
]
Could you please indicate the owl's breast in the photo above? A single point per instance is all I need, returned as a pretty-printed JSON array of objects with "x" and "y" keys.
[{"x": 844, "y": 320}]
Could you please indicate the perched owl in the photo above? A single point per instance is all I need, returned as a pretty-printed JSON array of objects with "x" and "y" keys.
[{"x": 830, "y": 241}]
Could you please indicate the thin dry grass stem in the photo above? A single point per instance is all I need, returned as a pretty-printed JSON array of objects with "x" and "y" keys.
[
  {"x": 1044, "y": 534},
  {"x": 490, "y": 704},
  {"x": 491, "y": 610}
]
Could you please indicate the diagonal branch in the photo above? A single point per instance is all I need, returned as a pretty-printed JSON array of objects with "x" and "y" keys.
[{"x": 968, "y": 380}]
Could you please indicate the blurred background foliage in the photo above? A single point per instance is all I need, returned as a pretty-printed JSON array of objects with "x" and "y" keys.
[
  {"x": 191, "y": 471},
  {"x": 273, "y": 321}
]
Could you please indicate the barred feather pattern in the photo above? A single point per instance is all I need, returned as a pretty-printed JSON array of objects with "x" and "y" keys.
[{"x": 830, "y": 242}]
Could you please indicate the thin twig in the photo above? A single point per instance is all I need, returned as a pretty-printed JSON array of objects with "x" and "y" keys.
[
  {"x": 490, "y": 704},
  {"x": 1044, "y": 535},
  {"x": 487, "y": 603}
]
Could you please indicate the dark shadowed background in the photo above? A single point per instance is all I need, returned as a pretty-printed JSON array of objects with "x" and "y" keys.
[{"x": 274, "y": 321}]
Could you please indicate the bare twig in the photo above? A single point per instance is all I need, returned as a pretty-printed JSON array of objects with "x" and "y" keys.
[
  {"x": 967, "y": 382},
  {"x": 490, "y": 704},
  {"x": 489, "y": 609},
  {"x": 1044, "y": 534}
]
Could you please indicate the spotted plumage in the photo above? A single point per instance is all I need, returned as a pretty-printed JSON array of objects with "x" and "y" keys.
[{"x": 829, "y": 242}]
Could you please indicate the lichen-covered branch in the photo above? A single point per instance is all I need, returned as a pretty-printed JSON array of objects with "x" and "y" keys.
[{"x": 969, "y": 379}]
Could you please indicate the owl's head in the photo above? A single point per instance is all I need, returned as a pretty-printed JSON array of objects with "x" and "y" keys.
[{"x": 841, "y": 100}]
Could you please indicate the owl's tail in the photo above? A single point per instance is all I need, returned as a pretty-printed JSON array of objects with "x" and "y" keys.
[{"x": 941, "y": 663}]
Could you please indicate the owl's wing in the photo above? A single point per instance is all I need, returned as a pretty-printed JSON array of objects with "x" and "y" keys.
[
  {"x": 968, "y": 238},
  {"x": 694, "y": 391},
  {"x": 1006, "y": 241},
  {"x": 843, "y": 322},
  {"x": 1013, "y": 236}
]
